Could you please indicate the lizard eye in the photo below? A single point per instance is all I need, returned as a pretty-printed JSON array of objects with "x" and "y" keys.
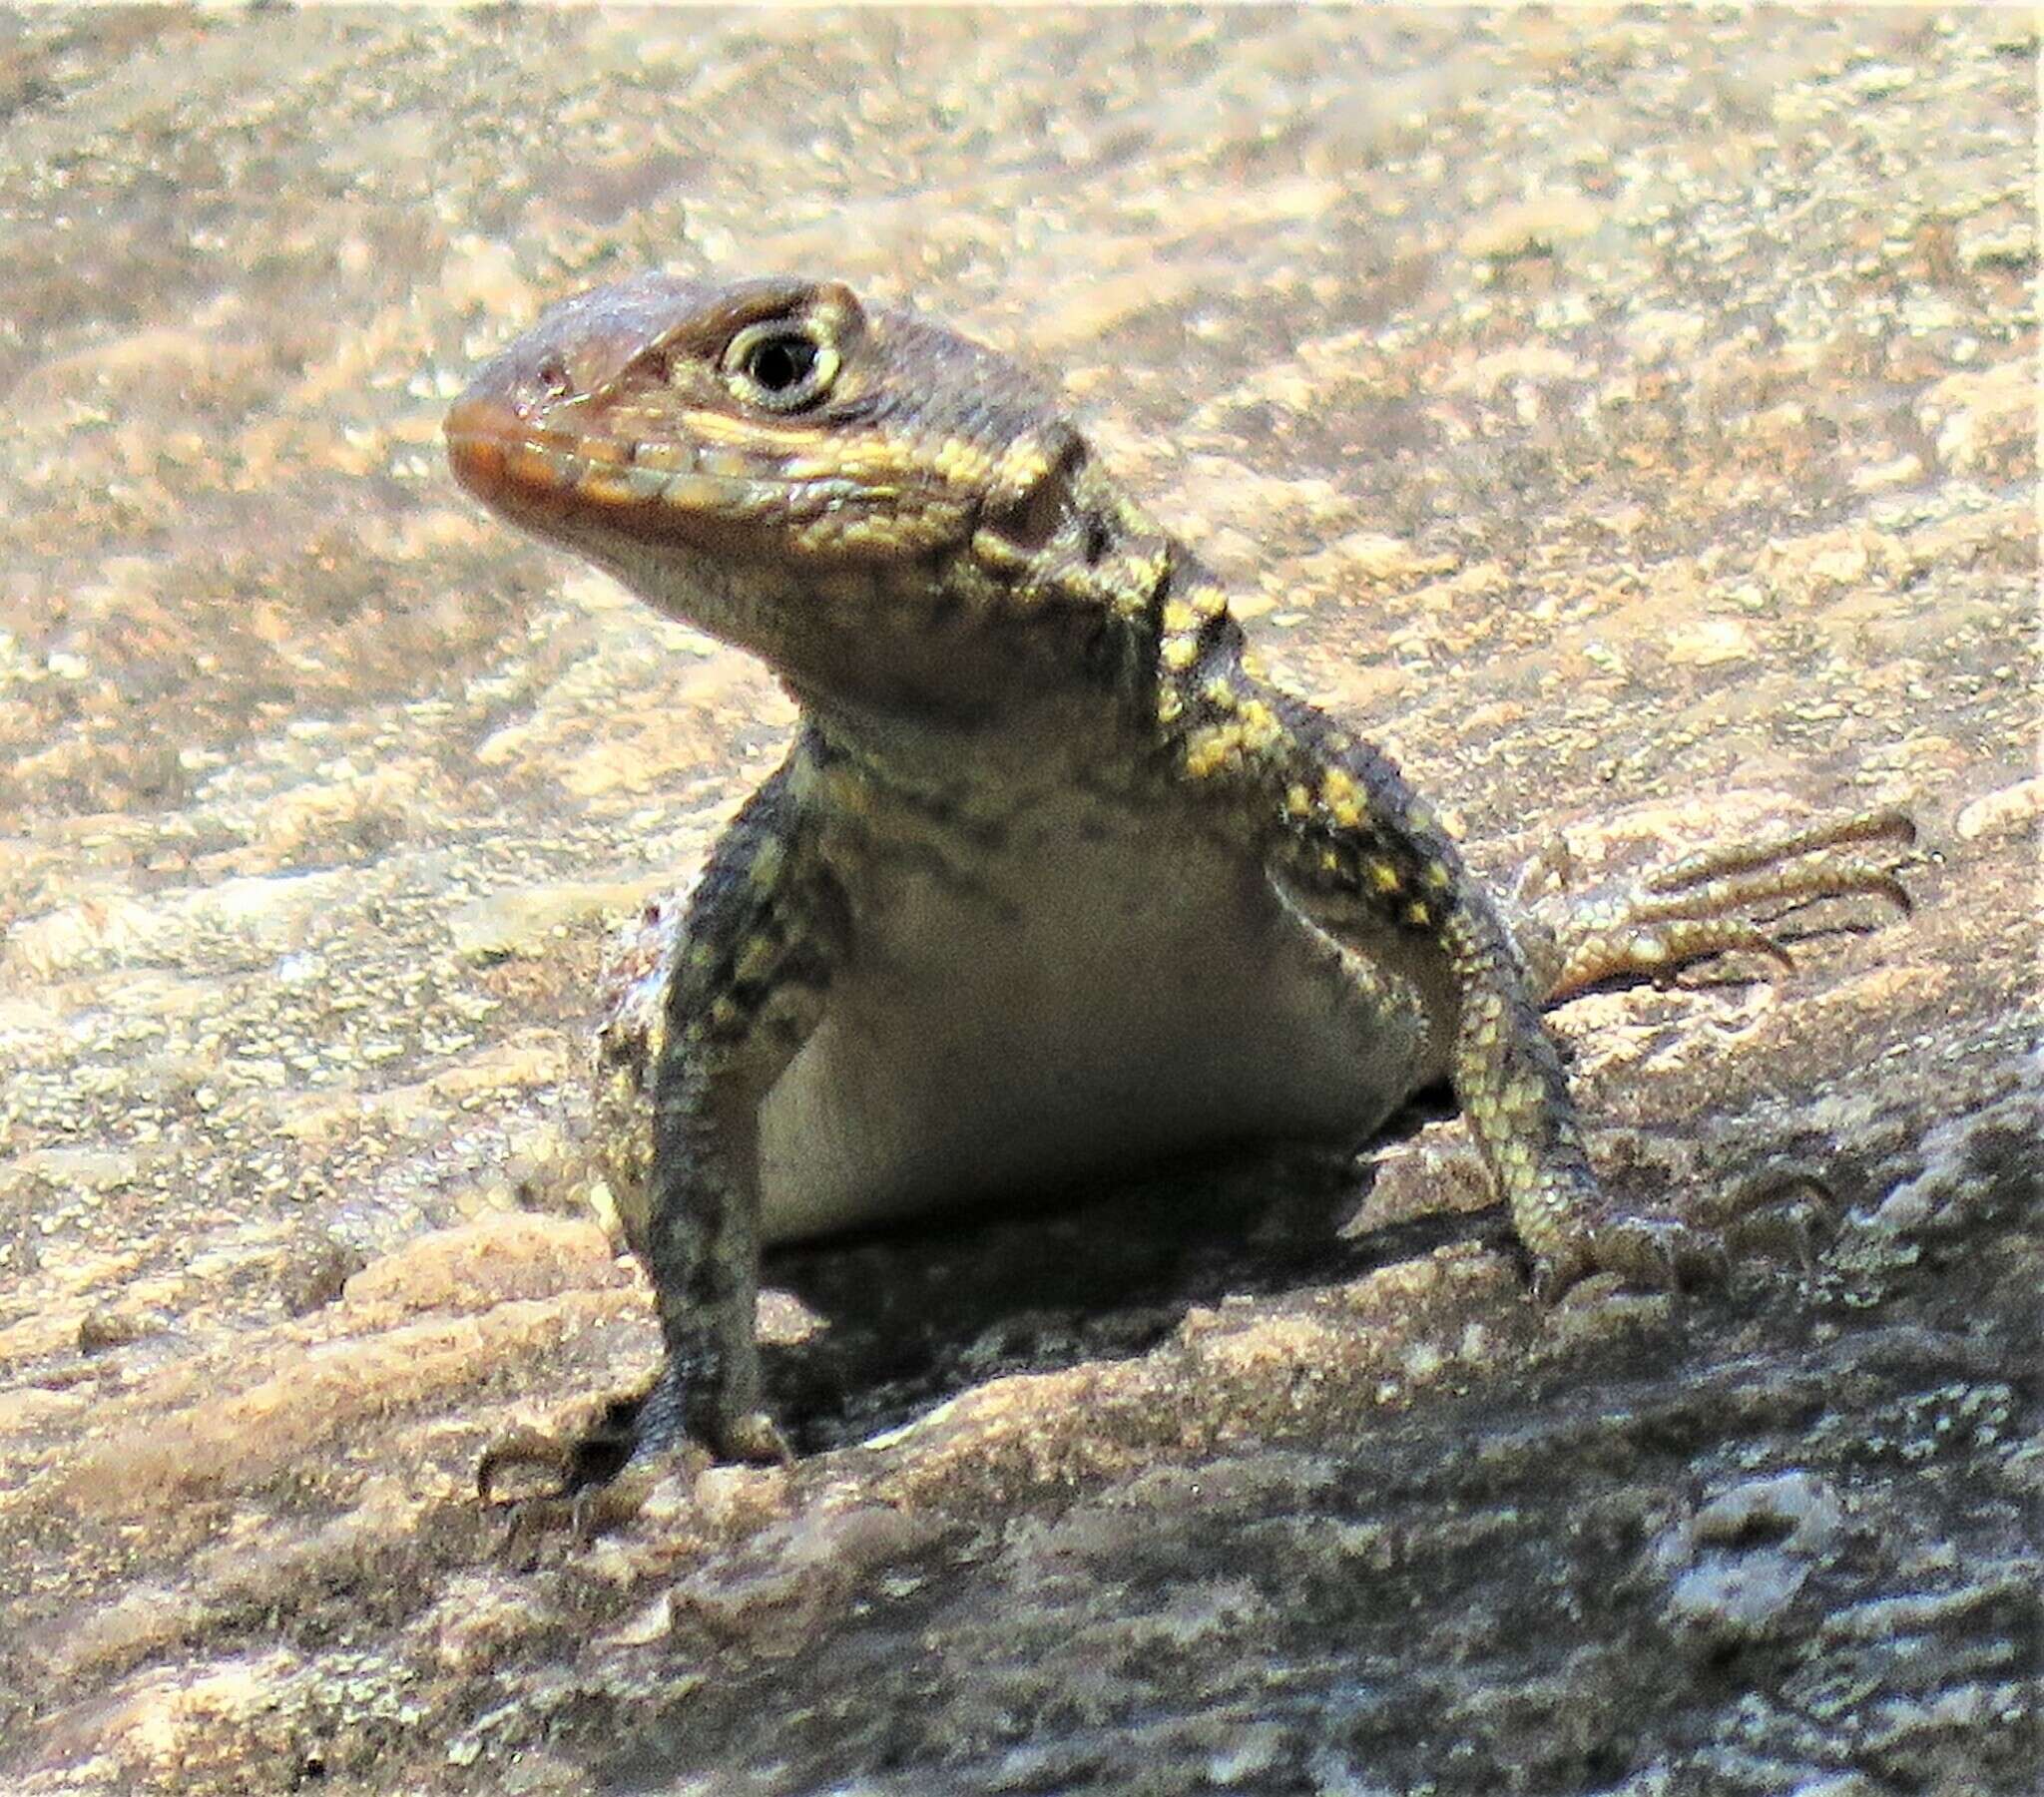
[{"x": 780, "y": 366}]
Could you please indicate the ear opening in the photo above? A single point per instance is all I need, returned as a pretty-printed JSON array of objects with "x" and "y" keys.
[
  {"x": 1035, "y": 523},
  {"x": 1030, "y": 525}
]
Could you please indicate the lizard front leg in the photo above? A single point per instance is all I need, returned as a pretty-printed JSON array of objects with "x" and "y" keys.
[
  {"x": 747, "y": 989},
  {"x": 1507, "y": 1071},
  {"x": 1362, "y": 856},
  {"x": 1358, "y": 854},
  {"x": 1513, "y": 1090},
  {"x": 1503, "y": 1063},
  {"x": 742, "y": 989}
]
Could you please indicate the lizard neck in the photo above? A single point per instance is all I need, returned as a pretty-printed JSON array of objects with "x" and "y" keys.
[
  {"x": 1057, "y": 609},
  {"x": 1140, "y": 615}
]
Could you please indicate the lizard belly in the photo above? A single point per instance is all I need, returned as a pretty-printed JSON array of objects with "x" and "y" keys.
[{"x": 1102, "y": 991}]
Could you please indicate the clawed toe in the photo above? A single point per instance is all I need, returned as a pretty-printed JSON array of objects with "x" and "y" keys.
[
  {"x": 577, "y": 1500},
  {"x": 579, "y": 1478},
  {"x": 1722, "y": 899},
  {"x": 594, "y": 1481},
  {"x": 1650, "y": 1252},
  {"x": 524, "y": 1447},
  {"x": 753, "y": 1439},
  {"x": 1785, "y": 1219}
]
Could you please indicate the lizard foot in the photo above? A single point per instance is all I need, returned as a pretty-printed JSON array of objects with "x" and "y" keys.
[
  {"x": 601, "y": 1478},
  {"x": 1781, "y": 1218},
  {"x": 1721, "y": 900},
  {"x": 1656, "y": 1253}
]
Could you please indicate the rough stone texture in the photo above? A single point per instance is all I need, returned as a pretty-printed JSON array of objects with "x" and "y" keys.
[{"x": 1626, "y": 417}]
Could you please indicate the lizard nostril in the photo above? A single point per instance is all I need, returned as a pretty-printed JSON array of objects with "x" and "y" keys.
[{"x": 553, "y": 375}]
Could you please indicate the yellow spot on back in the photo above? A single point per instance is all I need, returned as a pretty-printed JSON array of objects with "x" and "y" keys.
[
  {"x": 755, "y": 959},
  {"x": 1260, "y": 729},
  {"x": 1209, "y": 752}
]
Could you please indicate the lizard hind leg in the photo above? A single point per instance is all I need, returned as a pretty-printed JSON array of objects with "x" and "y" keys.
[{"x": 1726, "y": 898}]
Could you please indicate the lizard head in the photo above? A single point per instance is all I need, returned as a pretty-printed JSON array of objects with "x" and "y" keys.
[{"x": 772, "y": 461}]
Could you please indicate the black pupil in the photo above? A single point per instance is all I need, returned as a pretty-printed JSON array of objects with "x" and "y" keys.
[{"x": 780, "y": 363}]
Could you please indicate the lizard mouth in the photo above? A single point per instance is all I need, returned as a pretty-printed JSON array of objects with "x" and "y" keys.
[{"x": 542, "y": 471}]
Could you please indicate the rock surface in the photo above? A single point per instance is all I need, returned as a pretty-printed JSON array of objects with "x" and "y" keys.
[{"x": 1628, "y": 419}]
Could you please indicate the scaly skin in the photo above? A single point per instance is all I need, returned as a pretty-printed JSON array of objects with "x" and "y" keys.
[{"x": 1054, "y": 878}]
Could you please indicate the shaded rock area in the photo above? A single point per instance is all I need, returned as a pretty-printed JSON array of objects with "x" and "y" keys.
[{"x": 1628, "y": 419}]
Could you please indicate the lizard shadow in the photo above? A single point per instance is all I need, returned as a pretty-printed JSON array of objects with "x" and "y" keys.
[{"x": 918, "y": 1313}]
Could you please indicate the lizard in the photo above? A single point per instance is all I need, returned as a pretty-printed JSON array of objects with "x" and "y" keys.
[{"x": 1055, "y": 879}]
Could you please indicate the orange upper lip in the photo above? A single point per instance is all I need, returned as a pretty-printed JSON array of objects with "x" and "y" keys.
[{"x": 481, "y": 430}]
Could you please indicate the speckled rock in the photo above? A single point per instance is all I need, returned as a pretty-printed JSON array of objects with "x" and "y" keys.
[{"x": 1627, "y": 417}]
